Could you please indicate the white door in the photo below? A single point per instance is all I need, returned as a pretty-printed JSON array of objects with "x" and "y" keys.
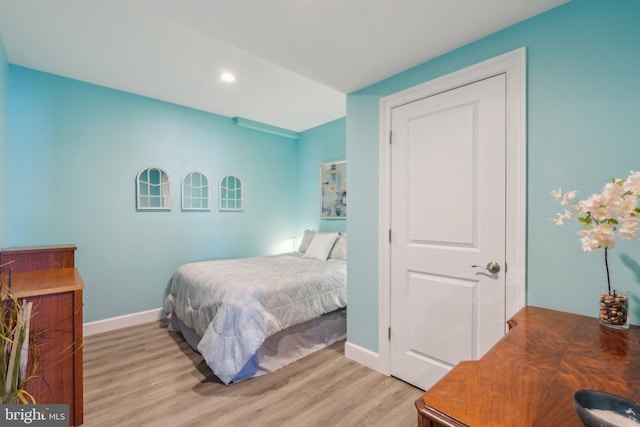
[{"x": 448, "y": 161}]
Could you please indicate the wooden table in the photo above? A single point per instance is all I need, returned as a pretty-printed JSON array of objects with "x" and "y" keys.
[{"x": 529, "y": 377}]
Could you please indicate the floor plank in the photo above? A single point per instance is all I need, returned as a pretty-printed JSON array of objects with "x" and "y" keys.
[{"x": 147, "y": 376}]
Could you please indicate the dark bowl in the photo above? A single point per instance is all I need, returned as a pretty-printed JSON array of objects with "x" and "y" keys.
[{"x": 616, "y": 406}]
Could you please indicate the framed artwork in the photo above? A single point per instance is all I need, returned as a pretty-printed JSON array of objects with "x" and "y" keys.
[{"x": 333, "y": 190}]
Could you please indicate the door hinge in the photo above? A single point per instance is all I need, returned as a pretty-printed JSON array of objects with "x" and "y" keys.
[
  {"x": 389, "y": 333},
  {"x": 389, "y": 235},
  {"x": 390, "y": 138}
]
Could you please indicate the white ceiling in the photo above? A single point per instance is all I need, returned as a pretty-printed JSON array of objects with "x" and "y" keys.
[{"x": 294, "y": 59}]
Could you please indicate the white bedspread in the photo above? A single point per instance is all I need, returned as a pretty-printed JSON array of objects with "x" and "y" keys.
[{"x": 236, "y": 304}]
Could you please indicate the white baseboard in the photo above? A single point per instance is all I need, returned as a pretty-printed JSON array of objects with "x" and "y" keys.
[
  {"x": 362, "y": 355},
  {"x": 113, "y": 323}
]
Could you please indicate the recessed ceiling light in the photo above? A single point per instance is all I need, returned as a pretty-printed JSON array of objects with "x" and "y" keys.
[{"x": 227, "y": 77}]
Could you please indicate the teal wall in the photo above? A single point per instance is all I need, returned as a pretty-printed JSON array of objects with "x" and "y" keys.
[
  {"x": 321, "y": 144},
  {"x": 583, "y": 129},
  {"x": 75, "y": 150},
  {"x": 4, "y": 149}
]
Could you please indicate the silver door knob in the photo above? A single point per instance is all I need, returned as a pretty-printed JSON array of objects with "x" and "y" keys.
[{"x": 492, "y": 267}]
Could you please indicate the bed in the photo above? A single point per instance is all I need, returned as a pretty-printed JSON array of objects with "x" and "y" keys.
[{"x": 251, "y": 316}]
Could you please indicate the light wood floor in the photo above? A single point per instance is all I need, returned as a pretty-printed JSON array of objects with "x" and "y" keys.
[{"x": 147, "y": 376}]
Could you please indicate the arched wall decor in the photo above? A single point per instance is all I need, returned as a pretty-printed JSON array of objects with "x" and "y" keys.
[
  {"x": 195, "y": 192},
  {"x": 153, "y": 189},
  {"x": 231, "y": 194}
]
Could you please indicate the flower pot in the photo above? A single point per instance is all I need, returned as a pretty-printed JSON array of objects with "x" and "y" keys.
[{"x": 614, "y": 309}]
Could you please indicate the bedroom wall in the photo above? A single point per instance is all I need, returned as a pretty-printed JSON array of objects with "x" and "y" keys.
[
  {"x": 4, "y": 149},
  {"x": 76, "y": 149},
  {"x": 321, "y": 144},
  {"x": 583, "y": 129}
]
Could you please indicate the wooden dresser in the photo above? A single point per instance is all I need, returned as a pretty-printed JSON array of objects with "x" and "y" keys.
[
  {"x": 529, "y": 377},
  {"x": 47, "y": 276}
]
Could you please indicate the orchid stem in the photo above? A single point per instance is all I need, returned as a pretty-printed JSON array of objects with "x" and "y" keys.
[{"x": 606, "y": 264}]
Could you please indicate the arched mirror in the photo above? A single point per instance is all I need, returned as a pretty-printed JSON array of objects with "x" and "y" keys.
[
  {"x": 231, "y": 195},
  {"x": 154, "y": 189},
  {"x": 195, "y": 192}
]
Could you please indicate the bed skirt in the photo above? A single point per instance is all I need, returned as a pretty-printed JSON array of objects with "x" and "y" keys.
[{"x": 284, "y": 347}]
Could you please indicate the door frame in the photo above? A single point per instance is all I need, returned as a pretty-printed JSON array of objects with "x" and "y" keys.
[{"x": 513, "y": 64}]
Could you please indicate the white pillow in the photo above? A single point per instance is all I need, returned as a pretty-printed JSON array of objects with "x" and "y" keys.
[
  {"x": 306, "y": 240},
  {"x": 321, "y": 246},
  {"x": 339, "y": 250}
]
